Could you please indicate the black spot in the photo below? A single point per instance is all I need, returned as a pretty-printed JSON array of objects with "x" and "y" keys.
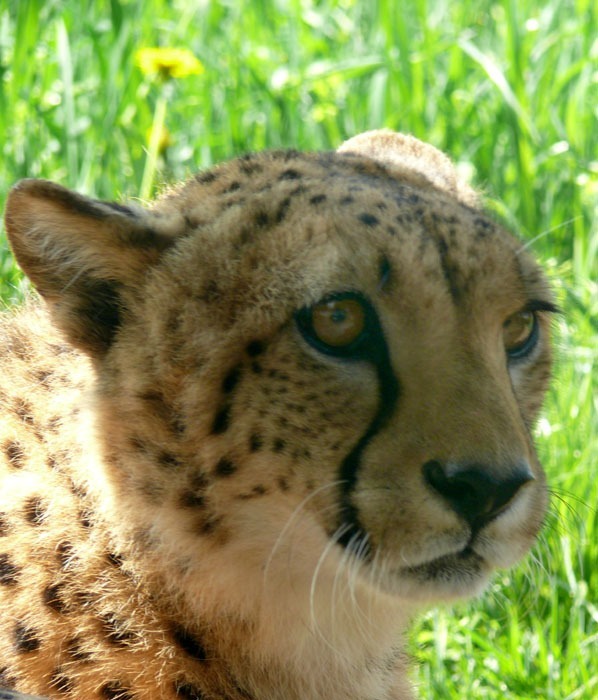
[
  {"x": 53, "y": 597},
  {"x": 261, "y": 219},
  {"x": 34, "y": 511},
  {"x": 24, "y": 410},
  {"x": 189, "y": 643},
  {"x": 4, "y": 526},
  {"x": 9, "y": 572},
  {"x": 65, "y": 551},
  {"x": 206, "y": 178},
  {"x": 86, "y": 518},
  {"x": 225, "y": 467},
  {"x": 74, "y": 650},
  {"x": 282, "y": 210},
  {"x": 368, "y": 219},
  {"x": 233, "y": 187},
  {"x": 231, "y": 380},
  {"x": 207, "y": 524},
  {"x": 248, "y": 167},
  {"x": 192, "y": 499},
  {"x": 318, "y": 199},
  {"x": 14, "y": 454},
  {"x": 256, "y": 492},
  {"x": 114, "y": 690},
  {"x": 255, "y": 442},
  {"x": 188, "y": 691},
  {"x": 347, "y": 199},
  {"x": 290, "y": 174},
  {"x": 6, "y": 679},
  {"x": 254, "y": 348},
  {"x": 61, "y": 681},
  {"x": 256, "y": 368},
  {"x": 115, "y": 631},
  {"x": 25, "y": 638},
  {"x": 221, "y": 421},
  {"x": 283, "y": 484},
  {"x": 115, "y": 559},
  {"x": 278, "y": 445},
  {"x": 168, "y": 460}
]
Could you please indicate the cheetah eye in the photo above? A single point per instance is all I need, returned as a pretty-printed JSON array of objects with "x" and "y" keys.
[
  {"x": 520, "y": 334},
  {"x": 337, "y": 325}
]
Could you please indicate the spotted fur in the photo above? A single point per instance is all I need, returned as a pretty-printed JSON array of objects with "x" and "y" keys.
[{"x": 199, "y": 498}]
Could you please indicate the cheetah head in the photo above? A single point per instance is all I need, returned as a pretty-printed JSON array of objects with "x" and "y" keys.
[{"x": 306, "y": 364}]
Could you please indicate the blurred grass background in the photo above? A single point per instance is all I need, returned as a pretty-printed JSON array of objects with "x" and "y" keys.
[{"x": 509, "y": 88}]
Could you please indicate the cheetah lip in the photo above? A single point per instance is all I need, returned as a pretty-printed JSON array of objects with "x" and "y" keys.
[{"x": 447, "y": 563}]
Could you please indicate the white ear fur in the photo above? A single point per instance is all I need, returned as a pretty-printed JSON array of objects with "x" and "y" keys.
[{"x": 412, "y": 160}]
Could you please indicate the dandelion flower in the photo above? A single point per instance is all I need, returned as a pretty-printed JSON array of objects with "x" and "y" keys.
[{"x": 168, "y": 63}]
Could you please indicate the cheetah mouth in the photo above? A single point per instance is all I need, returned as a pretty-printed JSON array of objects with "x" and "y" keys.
[{"x": 464, "y": 563}]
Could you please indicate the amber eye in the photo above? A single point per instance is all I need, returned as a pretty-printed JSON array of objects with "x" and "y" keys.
[
  {"x": 338, "y": 325},
  {"x": 520, "y": 334},
  {"x": 338, "y": 322}
]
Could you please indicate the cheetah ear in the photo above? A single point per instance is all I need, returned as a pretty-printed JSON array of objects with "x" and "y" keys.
[
  {"x": 411, "y": 160},
  {"x": 80, "y": 253}
]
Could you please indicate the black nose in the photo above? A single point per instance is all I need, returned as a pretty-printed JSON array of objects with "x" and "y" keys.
[{"x": 473, "y": 491}]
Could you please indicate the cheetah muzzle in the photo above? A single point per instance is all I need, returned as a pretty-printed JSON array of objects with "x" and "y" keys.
[{"x": 248, "y": 431}]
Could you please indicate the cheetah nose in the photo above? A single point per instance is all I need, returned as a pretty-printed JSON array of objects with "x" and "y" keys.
[{"x": 473, "y": 491}]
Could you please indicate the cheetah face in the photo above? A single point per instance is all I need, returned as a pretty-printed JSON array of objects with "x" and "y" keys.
[{"x": 320, "y": 360}]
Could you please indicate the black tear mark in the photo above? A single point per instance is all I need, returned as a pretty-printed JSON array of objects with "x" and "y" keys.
[{"x": 353, "y": 534}]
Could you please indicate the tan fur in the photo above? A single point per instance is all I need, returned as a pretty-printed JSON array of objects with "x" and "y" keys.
[{"x": 174, "y": 514}]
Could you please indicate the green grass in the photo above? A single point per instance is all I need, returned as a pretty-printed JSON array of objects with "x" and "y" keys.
[{"x": 508, "y": 88}]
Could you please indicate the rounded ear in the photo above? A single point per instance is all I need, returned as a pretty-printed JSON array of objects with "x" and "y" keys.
[
  {"x": 412, "y": 160},
  {"x": 79, "y": 252}
]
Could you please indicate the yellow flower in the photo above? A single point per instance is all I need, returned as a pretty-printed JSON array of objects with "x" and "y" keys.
[{"x": 168, "y": 63}]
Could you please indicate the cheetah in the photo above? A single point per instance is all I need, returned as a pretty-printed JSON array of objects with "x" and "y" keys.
[{"x": 252, "y": 429}]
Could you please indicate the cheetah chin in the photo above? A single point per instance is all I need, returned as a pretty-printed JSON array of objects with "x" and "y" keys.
[{"x": 248, "y": 431}]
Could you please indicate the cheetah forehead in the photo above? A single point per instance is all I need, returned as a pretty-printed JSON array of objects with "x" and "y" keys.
[{"x": 293, "y": 226}]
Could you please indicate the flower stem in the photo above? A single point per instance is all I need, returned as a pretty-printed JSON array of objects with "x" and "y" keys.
[{"x": 151, "y": 160}]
